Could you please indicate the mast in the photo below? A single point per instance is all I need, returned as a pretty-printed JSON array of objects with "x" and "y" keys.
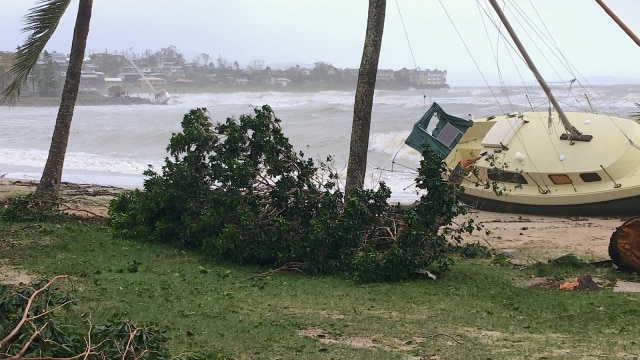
[
  {"x": 574, "y": 134},
  {"x": 153, "y": 93},
  {"x": 619, "y": 22}
]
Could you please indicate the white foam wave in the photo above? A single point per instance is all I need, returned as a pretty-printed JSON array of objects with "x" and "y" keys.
[
  {"x": 274, "y": 99},
  {"x": 78, "y": 161}
]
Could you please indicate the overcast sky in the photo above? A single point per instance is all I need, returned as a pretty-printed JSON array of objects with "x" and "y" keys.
[{"x": 306, "y": 31}]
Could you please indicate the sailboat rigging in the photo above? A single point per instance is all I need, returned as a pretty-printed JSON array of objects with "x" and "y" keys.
[
  {"x": 513, "y": 163},
  {"x": 574, "y": 134}
]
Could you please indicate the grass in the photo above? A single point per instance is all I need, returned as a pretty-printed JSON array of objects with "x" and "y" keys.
[{"x": 475, "y": 311}]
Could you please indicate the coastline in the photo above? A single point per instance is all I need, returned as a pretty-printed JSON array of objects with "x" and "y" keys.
[{"x": 82, "y": 100}]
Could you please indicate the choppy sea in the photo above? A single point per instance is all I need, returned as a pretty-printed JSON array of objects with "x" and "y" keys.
[{"x": 114, "y": 144}]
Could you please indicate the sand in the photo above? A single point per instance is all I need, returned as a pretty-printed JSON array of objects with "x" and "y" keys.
[
  {"x": 542, "y": 238},
  {"x": 81, "y": 199}
]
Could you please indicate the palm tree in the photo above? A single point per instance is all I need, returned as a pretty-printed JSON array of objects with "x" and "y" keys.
[
  {"x": 42, "y": 20},
  {"x": 363, "y": 105}
]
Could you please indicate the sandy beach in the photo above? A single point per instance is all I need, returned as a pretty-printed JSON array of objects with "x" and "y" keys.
[{"x": 532, "y": 238}]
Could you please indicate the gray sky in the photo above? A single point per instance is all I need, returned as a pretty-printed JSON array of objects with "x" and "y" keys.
[{"x": 305, "y": 31}]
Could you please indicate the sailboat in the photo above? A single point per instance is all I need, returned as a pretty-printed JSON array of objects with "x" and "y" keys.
[
  {"x": 524, "y": 162},
  {"x": 161, "y": 96}
]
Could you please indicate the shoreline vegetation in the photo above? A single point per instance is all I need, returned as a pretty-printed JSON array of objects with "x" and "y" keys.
[{"x": 526, "y": 237}]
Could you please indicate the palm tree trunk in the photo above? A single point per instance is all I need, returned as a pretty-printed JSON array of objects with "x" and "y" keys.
[
  {"x": 52, "y": 174},
  {"x": 364, "y": 96}
]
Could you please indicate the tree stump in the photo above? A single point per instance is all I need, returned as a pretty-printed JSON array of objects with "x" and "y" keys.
[{"x": 624, "y": 246}]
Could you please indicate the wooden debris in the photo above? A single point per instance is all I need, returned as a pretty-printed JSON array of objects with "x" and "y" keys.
[{"x": 624, "y": 246}]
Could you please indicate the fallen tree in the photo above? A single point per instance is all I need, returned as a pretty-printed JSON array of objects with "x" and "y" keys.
[{"x": 238, "y": 191}]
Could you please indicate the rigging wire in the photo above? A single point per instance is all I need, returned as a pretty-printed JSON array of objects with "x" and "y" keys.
[
  {"x": 573, "y": 71},
  {"x": 495, "y": 57},
  {"x": 424, "y": 95},
  {"x": 514, "y": 52},
  {"x": 468, "y": 51},
  {"x": 546, "y": 37},
  {"x": 536, "y": 30},
  {"x": 553, "y": 128},
  {"x": 588, "y": 89},
  {"x": 498, "y": 26},
  {"x": 413, "y": 58},
  {"x": 533, "y": 31}
]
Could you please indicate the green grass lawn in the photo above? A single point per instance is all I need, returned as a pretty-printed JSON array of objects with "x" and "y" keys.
[{"x": 477, "y": 310}]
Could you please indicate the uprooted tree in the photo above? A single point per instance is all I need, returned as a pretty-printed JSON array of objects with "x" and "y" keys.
[{"x": 239, "y": 191}]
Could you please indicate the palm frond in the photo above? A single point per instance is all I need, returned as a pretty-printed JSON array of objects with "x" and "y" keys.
[{"x": 41, "y": 21}]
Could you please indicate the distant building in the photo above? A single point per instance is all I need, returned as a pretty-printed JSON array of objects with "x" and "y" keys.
[
  {"x": 278, "y": 73},
  {"x": 429, "y": 78},
  {"x": 91, "y": 81},
  {"x": 143, "y": 83},
  {"x": 385, "y": 75},
  {"x": 183, "y": 82},
  {"x": 129, "y": 74},
  {"x": 59, "y": 58},
  {"x": 108, "y": 82},
  {"x": 284, "y": 82}
]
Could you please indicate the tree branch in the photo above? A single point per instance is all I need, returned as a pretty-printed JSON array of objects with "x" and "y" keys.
[{"x": 25, "y": 314}]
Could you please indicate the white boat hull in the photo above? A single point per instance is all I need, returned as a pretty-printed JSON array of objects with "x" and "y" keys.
[{"x": 162, "y": 97}]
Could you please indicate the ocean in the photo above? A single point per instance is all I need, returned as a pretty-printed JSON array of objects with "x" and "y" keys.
[{"x": 114, "y": 144}]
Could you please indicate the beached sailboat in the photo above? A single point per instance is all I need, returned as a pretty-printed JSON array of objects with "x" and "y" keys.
[
  {"x": 161, "y": 96},
  {"x": 588, "y": 164}
]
